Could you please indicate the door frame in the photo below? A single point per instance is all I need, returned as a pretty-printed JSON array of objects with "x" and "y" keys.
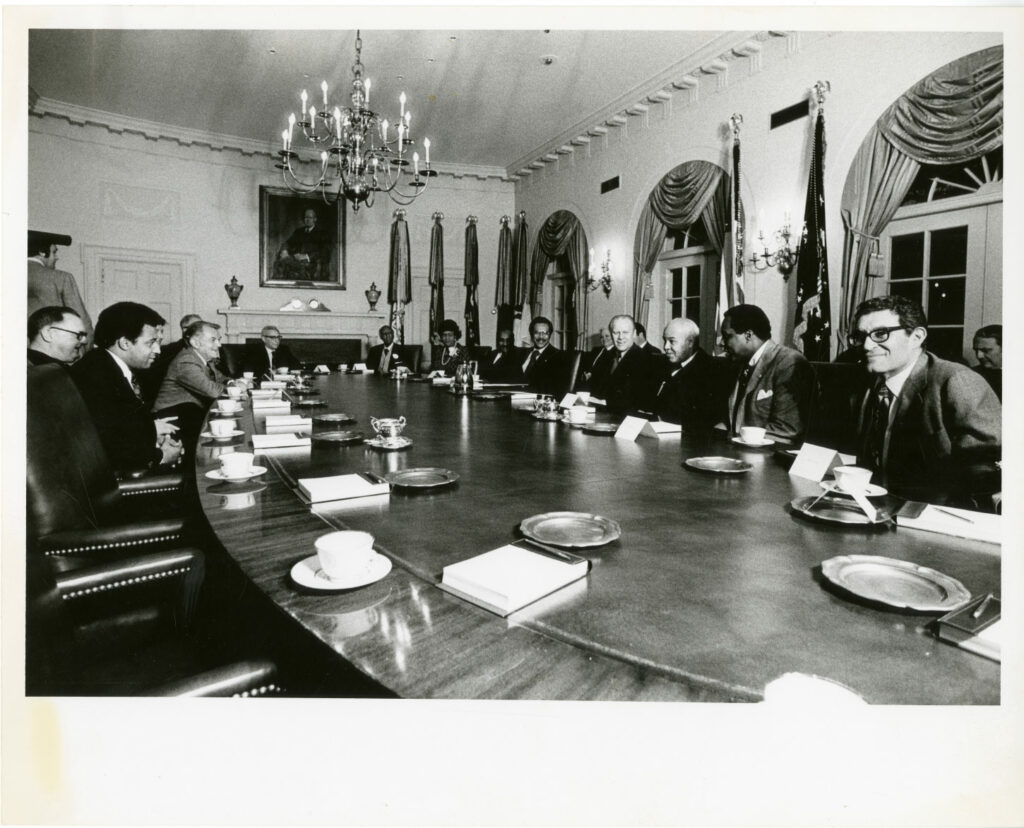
[{"x": 96, "y": 256}]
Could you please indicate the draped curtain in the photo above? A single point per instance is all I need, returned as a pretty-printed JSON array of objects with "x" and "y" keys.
[
  {"x": 436, "y": 275},
  {"x": 519, "y": 273},
  {"x": 694, "y": 190},
  {"x": 503, "y": 280},
  {"x": 471, "y": 280},
  {"x": 561, "y": 235},
  {"x": 399, "y": 274},
  {"x": 952, "y": 116}
]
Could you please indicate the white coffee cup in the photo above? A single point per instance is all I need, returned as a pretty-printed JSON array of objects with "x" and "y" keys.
[
  {"x": 852, "y": 478},
  {"x": 234, "y": 391},
  {"x": 752, "y": 434},
  {"x": 579, "y": 414},
  {"x": 248, "y": 375},
  {"x": 228, "y": 406},
  {"x": 221, "y": 428},
  {"x": 345, "y": 555},
  {"x": 236, "y": 463}
]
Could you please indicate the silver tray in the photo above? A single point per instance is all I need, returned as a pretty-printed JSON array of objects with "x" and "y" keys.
[
  {"x": 338, "y": 418},
  {"x": 310, "y": 403},
  {"x": 719, "y": 465},
  {"x": 896, "y": 583},
  {"x": 570, "y": 529},
  {"x": 422, "y": 478},
  {"x": 488, "y": 395},
  {"x": 379, "y": 443},
  {"x": 338, "y": 437},
  {"x": 606, "y": 429},
  {"x": 832, "y": 511}
]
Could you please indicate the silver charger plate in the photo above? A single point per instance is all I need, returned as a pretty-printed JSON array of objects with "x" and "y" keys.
[
  {"x": 339, "y": 418},
  {"x": 719, "y": 465},
  {"x": 576, "y": 529},
  {"x": 310, "y": 403},
  {"x": 387, "y": 445},
  {"x": 830, "y": 511},
  {"x": 896, "y": 583},
  {"x": 606, "y": 429},
  {"x": 421, "y": 478},
  {"x": 338, "y": 437}
]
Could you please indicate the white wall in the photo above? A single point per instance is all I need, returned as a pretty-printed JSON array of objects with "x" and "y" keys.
[
  {"x": 125, "y": 190},
  {"x": 867, "y": 72}
]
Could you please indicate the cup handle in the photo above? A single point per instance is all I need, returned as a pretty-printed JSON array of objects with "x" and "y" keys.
[
  {"x": 401, "y": 422},
  {"x": 374, "y": 422}
]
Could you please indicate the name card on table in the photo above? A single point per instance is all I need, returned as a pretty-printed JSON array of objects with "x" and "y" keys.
[
  {"x": 321, "y": 369},
  {"x": 359, "y": 367},
  {"x": 660, "y": 430},
  {"x": 277, "y": 406},
  {"x": 630, "y": 428},
  {"x": 568, "y": 401},
  {"x": 814, "y": 462}
]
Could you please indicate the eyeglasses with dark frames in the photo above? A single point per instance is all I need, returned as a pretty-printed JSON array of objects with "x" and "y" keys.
[
  {"x": 878, "y": 335},
  {"x": 81, "y": 335}
]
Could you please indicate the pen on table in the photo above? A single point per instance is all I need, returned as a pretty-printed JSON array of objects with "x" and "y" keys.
[
  {"x": 952, "y": 514},
  {"x": 982, "y": 607}
]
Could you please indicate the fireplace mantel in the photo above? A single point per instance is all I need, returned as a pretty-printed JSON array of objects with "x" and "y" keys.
[{"x": 240, "y": 323}]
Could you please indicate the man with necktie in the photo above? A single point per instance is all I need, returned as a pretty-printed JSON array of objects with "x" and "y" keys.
[
  {"x": 929, "y": 428},
  {"x": 543, "y": 367},
  {"x": 630, "y": 386},
  {"x": 687, "y": 391},
  {"x": 269, "y": 355},
  {"x": 56, "y": 335},
  {"x": 127, "y": 340},
  {"x": 383, "y": 357},
  {"x": 641, "y": 340},
  {"x": 595, "y": 377},
  {"x": 306, "y": 254},
  {"x": 775, "y": 384},
  {"x": 504, "y": 365}
]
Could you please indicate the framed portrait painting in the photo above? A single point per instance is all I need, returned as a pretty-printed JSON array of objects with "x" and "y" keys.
[{"x": 302, "y": 240}]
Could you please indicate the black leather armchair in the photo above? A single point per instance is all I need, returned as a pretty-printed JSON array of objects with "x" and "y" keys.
[{"x": 77, "y": 510}]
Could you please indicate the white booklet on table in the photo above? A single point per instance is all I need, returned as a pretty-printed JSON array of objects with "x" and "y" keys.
[
  {"x": 341, "y": 487},
  {"x": 509, "y": 577}
]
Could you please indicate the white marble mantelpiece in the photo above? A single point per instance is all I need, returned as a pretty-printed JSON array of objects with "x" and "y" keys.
[{"x": 240, "y": 323}]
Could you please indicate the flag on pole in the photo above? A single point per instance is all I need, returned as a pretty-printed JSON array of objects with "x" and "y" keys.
[
  {"x": 737, "y": 220},
  {"x": 471, "y": 279},
  {"x": 812, "y": 329}
]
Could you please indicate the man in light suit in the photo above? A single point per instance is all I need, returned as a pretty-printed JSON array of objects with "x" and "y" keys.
[
  {"x": 929, "y": 428},
  {"x": 543, "y": 364},
  {"x": 687, "y": 391},
  {"x": 47, "y": 286},
  {"x": 383, "y": 357},
  {"x": 504, "y": 365},
  {"x": 775, "y": 384},
  {"x": 127, "y": 340}
]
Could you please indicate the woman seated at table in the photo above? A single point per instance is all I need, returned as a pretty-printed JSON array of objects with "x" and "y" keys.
[{"x": 452, "y": 353}]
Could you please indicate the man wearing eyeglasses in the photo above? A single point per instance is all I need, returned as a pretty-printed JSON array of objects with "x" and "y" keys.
[
  {"x": 55, "y": 335},
  {"x": 929, "y": 428},
  {"x": 269, "y": 355}
]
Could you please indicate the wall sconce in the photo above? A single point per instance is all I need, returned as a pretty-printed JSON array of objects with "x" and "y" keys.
[
  {"x": 604, "y": 281},
  {"x": 783, "y": 257}
]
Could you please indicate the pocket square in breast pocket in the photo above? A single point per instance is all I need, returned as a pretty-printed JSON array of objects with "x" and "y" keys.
[{"x": 764, "y": 394}]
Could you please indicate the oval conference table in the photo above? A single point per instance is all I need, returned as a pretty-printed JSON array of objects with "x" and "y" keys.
[{"x": 713, "y": 589}]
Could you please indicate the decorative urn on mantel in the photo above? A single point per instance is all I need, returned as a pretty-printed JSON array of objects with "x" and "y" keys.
[
  {"x": 234, "y": 290},
  {"x": 372, "y": 296}
]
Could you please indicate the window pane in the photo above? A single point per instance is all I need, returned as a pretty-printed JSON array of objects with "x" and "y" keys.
[
  {"x": 693, "y": 309},
  {"x": 946, "y": 343},
  {"x": 911, "y": 290},
  {"x": 908, "y": 256},
  {"x": 949, "y": 251},
  {"x": 946, "y": 301},
  {"x": 677, "y": 282},
  {"x": 693, "y": 280},
  {"x": 677, "y": 308}
]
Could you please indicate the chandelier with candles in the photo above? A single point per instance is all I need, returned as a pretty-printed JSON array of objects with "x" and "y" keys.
[{"x": 361, "y": 154}]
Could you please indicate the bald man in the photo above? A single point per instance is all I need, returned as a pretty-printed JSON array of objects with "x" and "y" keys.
[
  {"x": 268, "y": 355},
  {"x": 686, "y": 394}
]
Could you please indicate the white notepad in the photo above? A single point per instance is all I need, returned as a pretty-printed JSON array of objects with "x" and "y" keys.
[
  {"x": 509, "y": 577},
  {"x": 267, "y": 441},
  {"x": 340, "y": 487},
  {"x": 942, "y": 519}
]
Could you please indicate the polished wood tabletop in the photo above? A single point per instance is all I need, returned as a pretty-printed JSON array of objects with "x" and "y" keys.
[{"x": 713, "y": 590}]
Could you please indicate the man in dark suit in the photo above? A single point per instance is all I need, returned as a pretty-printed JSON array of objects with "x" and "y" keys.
[
  {"x": 152, "y": 377},
  {"x": 543, "y": 367},
  {"x": 775, "y": 384},
  {"x": 988, "y": 350},
  {"x": 383, "y": 357},
  {"x": 127, "y": 340},
  {"x": 47, "y": 286},
  {"x": 595, "y": 377},
  {"x": 687, "y": 391},
  {"x": 56, "y": 335},
  {"x": 929, "y": 428},
  {"x": 306, "y": 255},
  {"x": 505, "y": 364},
  {"x": 630, "y": 386},
  {"x": 268, "y": 355},
  {"x": 641, "y": 340}
]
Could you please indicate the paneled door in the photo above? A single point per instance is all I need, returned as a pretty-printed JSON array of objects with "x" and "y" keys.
[{"x": 163, "y": 281}]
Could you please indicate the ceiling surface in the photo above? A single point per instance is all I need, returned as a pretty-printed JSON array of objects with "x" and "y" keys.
[{"x": 484, "y": 98}]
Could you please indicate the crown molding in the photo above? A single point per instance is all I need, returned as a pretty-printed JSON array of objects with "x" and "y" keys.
[
  {"x": 156, "y": 131},
  {"x": 711, "y": 59}
]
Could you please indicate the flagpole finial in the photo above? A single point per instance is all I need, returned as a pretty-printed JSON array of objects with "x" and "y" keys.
[
  {"x": 471, "y": 219},
  {"x": 504, "y": 220},
  {"x": 399, "y": 213},
  {"x": 821, "y": 89},
  {"x": 438, "y": 216},
  {"x": 736, "y": 121}
]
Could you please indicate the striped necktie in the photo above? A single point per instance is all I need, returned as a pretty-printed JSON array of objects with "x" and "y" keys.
[{"x": 883, "y": 398}]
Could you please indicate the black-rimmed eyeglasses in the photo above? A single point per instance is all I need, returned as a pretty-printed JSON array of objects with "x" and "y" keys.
[
  {"x": 81, "y": 335},
  {"x": 879, "y": 335}
]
